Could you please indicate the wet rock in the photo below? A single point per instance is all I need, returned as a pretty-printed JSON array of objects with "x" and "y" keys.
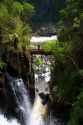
[{"x": 44, "y": 97}]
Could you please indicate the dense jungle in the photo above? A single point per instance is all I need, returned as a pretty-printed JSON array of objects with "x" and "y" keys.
[{"x": 21, "y": 69}]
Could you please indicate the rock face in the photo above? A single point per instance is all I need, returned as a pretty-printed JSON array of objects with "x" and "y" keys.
[
  {"x": 19, "y": 65},
  {"x": 15, "y": 89},
  {"x": 44, "y": 97},
  {"x": 5, "y": 101}
]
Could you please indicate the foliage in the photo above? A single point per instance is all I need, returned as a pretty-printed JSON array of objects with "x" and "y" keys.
[
  {"x": 28, "y": 8},
  {"x": 60, "y": 50},
  {"x": 67, "y": 82},
  {"x": 77, "y": 112},
  {"x": 14, "y": 27},
  {"x": 71, "y": 82},
  {"x": 50, "y": 46},
  {"x": 38, "y": 61},
  {"x": 81, "y": 72},
  {"x": 2, "y": 64},
  {"x": 72, "y": 21},
  {"x": 47, "y": 11}
]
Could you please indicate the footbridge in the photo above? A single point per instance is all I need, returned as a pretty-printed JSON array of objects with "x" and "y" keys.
[
  {"x": 36, "y": 44},
  {"x": 39, "y": 51}
]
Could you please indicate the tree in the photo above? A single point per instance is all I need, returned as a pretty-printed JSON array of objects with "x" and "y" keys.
[
  {"x": 14, "y": 26},
  {"x": 67, "y": 79}
]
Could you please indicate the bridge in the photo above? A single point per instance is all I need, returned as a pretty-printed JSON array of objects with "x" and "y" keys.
[
  {"x": 36, "y": 44},
  {"x": 39, "y": 51}
]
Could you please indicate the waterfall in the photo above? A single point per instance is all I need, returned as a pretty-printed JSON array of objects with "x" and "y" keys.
[
  {"x": 4, "y": 121},
  {"x": 31, "y": 115},
  {"x": 38, "y": 112},
  {"x": 39, "y": 116},
  {"x": 22, "y": 99}
]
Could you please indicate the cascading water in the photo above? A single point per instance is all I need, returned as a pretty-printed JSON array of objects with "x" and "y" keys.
[
  {"x": 22, "y": 99},
  {"x": 39, "y": 111},
  {"x": 30, "y": 115},
  {"x": 4, "y": 121},
  {"x": 36, "y": 114}
]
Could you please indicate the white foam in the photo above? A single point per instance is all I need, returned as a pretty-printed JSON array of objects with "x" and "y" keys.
[
  {"x": 38, "y": 112},
  {"x": 5, "y": 121},
  {"x": 42, "y": 39}
]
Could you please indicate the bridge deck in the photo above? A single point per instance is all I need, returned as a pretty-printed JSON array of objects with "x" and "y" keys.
[{"x": 39, "y": 51}]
